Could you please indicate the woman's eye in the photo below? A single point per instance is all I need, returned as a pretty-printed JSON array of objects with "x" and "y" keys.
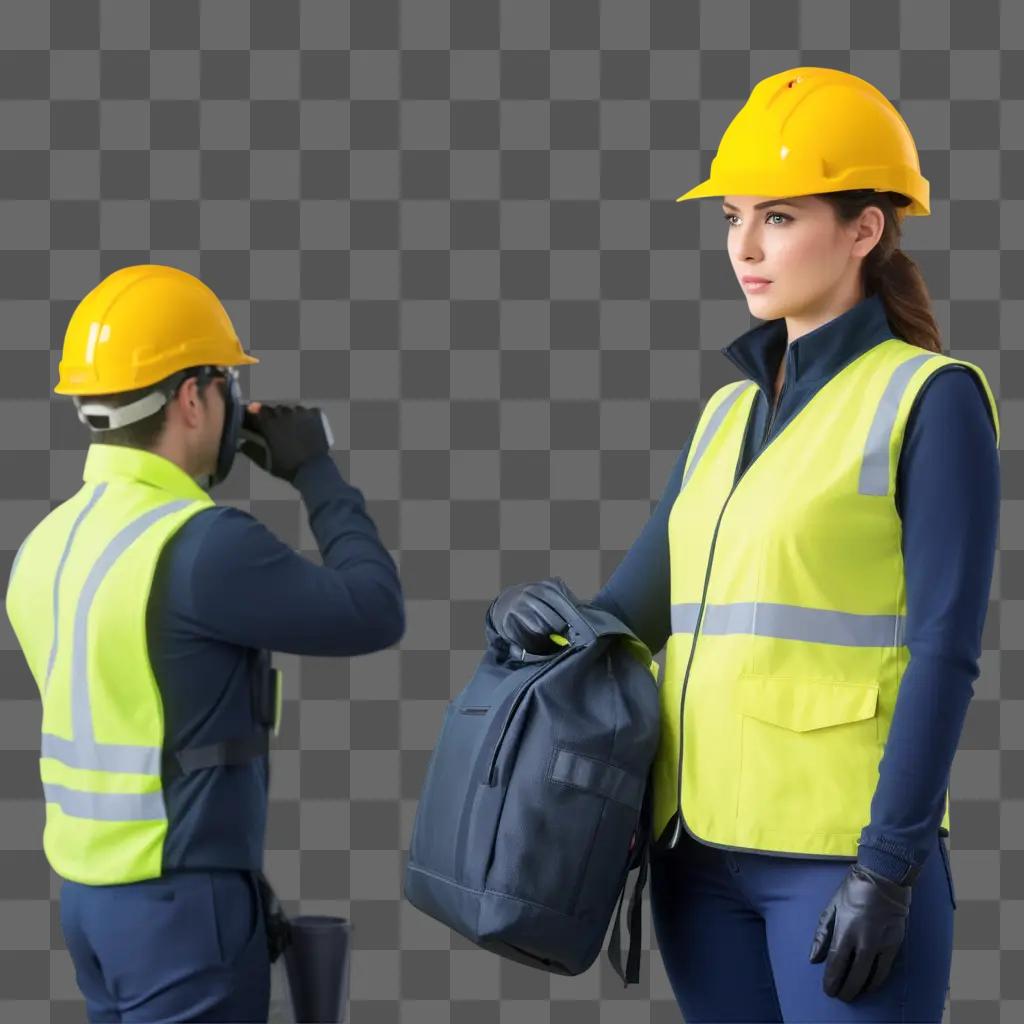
[{"x": 784, "y": 216}]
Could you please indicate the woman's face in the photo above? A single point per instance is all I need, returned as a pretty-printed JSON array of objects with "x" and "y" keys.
[{"x": 799, "y": 245}]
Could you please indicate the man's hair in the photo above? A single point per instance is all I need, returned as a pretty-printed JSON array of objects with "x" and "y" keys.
[{"x": 147, "y": 432}]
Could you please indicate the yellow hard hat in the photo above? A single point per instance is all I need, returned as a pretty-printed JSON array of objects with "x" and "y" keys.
[
  {"x": 811, "y": 130},
  {"x": 141, "y": 324}
]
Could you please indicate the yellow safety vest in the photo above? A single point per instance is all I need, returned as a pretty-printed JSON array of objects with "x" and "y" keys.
[
  {"x": 788, "y": 607},
  {"x": 77, "y": 601}
]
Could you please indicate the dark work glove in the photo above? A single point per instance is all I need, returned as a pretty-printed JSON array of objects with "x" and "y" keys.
[
  {"x": 861, "y": 931},
  {"x": 280, "y": 438},
  {"x": 521, "y": 615}
]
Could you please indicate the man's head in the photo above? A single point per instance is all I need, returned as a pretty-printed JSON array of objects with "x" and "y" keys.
[
  {"x": 147, "y": 335},
  {"x": 186, "y": 429}
]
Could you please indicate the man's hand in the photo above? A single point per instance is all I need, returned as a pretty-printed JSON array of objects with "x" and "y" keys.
[
  {"x": 280, "y": 438},
  {"x": 861, "y": 931}
]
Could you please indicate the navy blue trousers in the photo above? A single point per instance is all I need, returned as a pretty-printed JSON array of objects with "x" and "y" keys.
[
  {"x": 190, "y": 946},
  {"x": 735, "y": 931}
]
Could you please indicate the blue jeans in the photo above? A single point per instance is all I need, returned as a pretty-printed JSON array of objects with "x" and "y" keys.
[
  {"x": 735, "y": 931},
  {"x": 190, "y": 946}
]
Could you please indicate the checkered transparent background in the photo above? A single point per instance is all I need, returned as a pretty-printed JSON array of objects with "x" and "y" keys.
[{"x": 451, "y": 225}]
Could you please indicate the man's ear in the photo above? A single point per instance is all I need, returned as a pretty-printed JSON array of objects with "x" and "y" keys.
[{"x": 187, "y": 397}]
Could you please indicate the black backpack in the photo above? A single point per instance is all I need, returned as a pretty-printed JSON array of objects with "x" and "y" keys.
[{"x": 536, "y": 803}]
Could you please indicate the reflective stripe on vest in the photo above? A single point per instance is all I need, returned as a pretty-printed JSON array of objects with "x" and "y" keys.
[
  {"x": 815, "y": 625},
  {"x": 106, "y": 806},
  {"x": 788, "y": 613}
]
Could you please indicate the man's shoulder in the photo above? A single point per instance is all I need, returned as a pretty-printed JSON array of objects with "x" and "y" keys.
[
  {"x": 216, "y": 528},
  {"x": 209, "y": 546}
]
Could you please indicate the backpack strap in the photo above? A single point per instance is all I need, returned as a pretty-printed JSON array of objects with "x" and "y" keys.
[{"x": 641, "y": 857}]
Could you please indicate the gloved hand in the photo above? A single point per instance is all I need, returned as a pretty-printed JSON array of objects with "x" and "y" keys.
[
  {"x": 280, "y": 438},
  {"x": 521, "y": 615},
  {"x": 861, "y": 931}
]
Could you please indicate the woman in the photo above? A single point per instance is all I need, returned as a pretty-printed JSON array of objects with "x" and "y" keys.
[{"x": 825, "y": 544}]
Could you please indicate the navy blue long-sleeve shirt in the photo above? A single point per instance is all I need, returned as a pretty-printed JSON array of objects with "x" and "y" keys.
[
  {"x": 947, "y": 495},
  {"x": 226, "y": 587}
]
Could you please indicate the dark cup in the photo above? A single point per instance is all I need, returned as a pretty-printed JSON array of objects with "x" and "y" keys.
[{"x": 317, "y": 962}]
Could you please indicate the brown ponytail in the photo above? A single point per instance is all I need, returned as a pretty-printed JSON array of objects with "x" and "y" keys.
[{"x": 889, "y": 271}]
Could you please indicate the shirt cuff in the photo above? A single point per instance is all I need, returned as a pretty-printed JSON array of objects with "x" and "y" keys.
[{"x": 887, "y": 864}]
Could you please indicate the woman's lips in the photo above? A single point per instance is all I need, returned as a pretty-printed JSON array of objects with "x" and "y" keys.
[{"x": 755, "y": 286}]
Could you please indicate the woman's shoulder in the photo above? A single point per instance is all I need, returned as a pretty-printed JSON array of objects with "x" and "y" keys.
[{"x": 953, "y": 391}]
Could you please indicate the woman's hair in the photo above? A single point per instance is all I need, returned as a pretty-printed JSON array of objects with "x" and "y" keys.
[{"x": 888, "y": 270}]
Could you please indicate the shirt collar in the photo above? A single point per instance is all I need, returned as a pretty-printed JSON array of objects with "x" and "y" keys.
[
  {"x": 104, "y": 461},
  {"x": 815, "y": 356}
]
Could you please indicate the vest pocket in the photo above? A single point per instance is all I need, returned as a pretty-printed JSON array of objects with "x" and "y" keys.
[
  {"x": 809, "y": 756},
  {"x": 805, "y": 704}
]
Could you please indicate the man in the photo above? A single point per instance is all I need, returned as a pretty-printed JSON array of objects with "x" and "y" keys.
[{"x": 146, "y": 614}]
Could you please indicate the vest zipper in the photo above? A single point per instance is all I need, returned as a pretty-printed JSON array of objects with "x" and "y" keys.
[
  {"x": 771, "y": 416},
  {"x": 765, "y": 442}
]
